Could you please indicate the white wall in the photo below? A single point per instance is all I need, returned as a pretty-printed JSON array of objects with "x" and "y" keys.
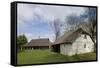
[
  {"x": 79, "y": 46},
  {"x": 66, "y": 49},
  {"x": 82, "y": 45}
]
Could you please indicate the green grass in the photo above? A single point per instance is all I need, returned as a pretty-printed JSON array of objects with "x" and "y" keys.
[{"x": 45, "y": 56}]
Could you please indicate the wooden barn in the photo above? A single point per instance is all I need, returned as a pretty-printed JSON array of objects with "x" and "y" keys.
[
  {"x": 42, "y": 43},
  {"x": 73, "y": 42}
]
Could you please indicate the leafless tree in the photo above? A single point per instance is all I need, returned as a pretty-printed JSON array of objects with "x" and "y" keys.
[
  {"x": 91, "y": 25},
  {"x": 72, "y": 21},
  {"x": 90, "y": 28},
  {"x": 56, "y": 27}
]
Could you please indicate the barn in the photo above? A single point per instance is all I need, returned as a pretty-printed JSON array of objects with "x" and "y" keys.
[
  {"x": 41, "y": 43},
  {"x": 73, "y": 42}
]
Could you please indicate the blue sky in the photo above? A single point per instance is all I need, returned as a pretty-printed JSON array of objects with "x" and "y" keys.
[{"x": 34, "y": 20}]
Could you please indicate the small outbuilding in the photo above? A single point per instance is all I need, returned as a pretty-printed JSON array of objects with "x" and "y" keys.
[
  {"x": 73, "y": 42},
  {"x": 41, "y": 43}
]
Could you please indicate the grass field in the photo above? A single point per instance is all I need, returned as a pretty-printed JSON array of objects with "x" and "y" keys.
[{"x": 45, "y": 56}]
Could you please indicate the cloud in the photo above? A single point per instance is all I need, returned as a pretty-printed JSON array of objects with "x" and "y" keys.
[
  {"x": 25, "y": 12},
  {"x": 31, "y": 14}
]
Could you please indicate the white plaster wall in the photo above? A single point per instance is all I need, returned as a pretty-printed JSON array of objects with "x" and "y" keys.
[
  {"x": 77, "y": 47},
  {"x": 65, "y": 49},
  {"x": 80, "y": 42}
]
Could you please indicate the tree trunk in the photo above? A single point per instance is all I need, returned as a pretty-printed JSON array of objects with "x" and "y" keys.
[{"x": 93, "y": 42}]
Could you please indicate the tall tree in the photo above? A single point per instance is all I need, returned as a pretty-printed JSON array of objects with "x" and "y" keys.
[
  {"x": 90, "y": 26},
  {"x": 56, "y": 26}
]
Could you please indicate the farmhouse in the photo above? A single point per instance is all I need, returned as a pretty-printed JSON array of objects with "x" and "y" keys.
[
  {"x": 73, "y": 42},
  {"x": 42, "y": 43}
]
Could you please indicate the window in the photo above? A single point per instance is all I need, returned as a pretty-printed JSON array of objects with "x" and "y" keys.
[
  {"x": 85, "y": 36},
  {"x": 84, "y": 45}
]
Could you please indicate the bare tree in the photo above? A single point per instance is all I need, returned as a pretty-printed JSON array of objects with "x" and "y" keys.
[
  {"x": 56, "y": 27},
  {"x": 90, "y": 26},
  {"x": 72, "y": 21}
]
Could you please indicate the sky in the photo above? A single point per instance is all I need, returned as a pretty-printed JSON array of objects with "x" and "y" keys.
[{"x": 34, "y": 20}]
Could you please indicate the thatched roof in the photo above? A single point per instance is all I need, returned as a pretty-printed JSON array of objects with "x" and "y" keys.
[
  {"x": 69, "y": 36},
  {"x": 39, "y": 42}
]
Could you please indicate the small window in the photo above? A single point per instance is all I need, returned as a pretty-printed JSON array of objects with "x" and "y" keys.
[
  {"x": 84, "y": 45},
  {"x": 85, "y": 37}
]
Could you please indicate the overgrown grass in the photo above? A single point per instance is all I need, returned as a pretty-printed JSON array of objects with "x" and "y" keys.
[{"x": 45, "y": 56}]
